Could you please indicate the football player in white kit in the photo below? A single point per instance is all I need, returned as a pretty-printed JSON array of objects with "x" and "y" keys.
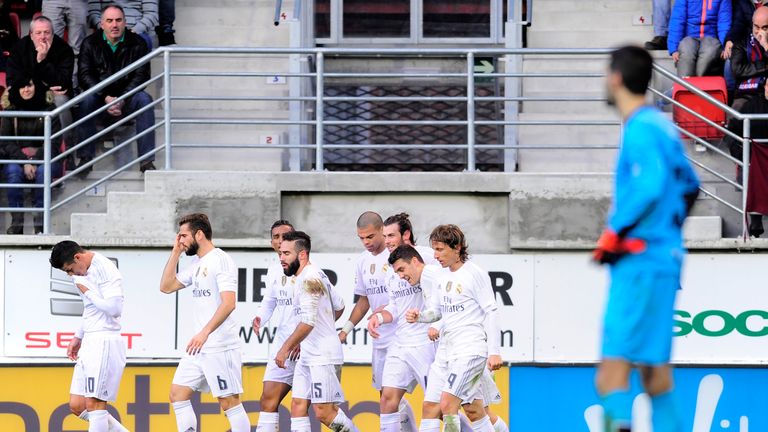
[
  {"x": 371, "y": 278},
  {"x": 411, "y": 355},
  {"x": 317, "y": 374},
  {"x": 97, "y": 345},
  {"x": 277, "y": 303},
  {"x": 465, "y": 301},
  {"x": 212, "y": 362}
]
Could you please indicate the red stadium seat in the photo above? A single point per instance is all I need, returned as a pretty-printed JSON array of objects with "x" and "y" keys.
[
  {"x": 16, "y": 22},
  {"x": 715, "y": 87}
]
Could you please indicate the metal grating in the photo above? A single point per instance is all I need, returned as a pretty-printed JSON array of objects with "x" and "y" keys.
[{"x": 390, "y": 159}]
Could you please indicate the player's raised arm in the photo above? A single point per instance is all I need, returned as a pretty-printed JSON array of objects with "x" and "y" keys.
[{"x": 169, "y": 283}]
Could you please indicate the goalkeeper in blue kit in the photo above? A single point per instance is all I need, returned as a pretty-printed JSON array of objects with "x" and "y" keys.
[{"x": 655, "y": 188}]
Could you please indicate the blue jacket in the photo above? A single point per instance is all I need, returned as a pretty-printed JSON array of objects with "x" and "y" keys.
[
  {"x": 653, "y": 181},
  {"x": 698, "y": 18}
]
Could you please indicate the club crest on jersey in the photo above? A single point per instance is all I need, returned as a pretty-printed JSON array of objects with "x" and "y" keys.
[
  {"x": 458, "y": 288},
  {"x": 373, "y": 268},
  {"x": 448, "y": 286},
  {"x": 284, "y": 280}
]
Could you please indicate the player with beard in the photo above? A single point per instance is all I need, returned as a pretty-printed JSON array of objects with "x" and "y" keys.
[
  {"x": 277, "y": 303},
  {"x": 317, "y": 374},
  {"x": 212, "y": 362},
  {"x": 371, "y": 278}
]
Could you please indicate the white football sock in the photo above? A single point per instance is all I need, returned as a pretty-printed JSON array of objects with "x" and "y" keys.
[
  {"x": 238, "y": 419},
  {"x": 300, "y": 424},
  {"x": 389, "y": 422},
  {"x": 268, "y": 422},
  {"x": 342, "y": 423},
  {"x": 407, "y": 417},
  {"x": 98, "y": 421},
  {"x": 482, "y": 425},
  {"x": 451, "y": 423},
  {"x": 500, "y": 425},
  {"x": 430, "y": 425},
  {"x": 186, "y": 421}
]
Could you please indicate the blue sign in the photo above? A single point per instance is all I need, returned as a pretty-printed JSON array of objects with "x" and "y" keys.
[{"x": 708, "y": 399}]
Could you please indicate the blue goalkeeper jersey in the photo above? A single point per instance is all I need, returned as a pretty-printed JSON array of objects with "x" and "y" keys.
[{"x": 652, "y": 178}]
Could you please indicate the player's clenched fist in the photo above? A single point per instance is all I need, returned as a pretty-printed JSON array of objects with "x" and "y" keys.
[{"x": 412, "y": 315}]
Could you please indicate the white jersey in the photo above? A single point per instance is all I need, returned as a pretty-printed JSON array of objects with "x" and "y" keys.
[
  {"x": 209, "y": 276},
  {"x": 371, "y": 278},
  {"x": 464, "y": 297},
  {"x": 322, "y": 345},
  {"x": 402, "y": 297},
  {"x": 278, "y": 303},
  {"x": 104, "y": 279}
]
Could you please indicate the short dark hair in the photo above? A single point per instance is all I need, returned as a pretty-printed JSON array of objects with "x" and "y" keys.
[
  {"x": 112, "y": 5},
  {"x": 198, "y": 221},
  {"x": 63, "y": 253},
  {"x": 406, "y": 253},
  {"x": 280, "y": 222},
  {"x": 302, "y": 239},
  {"x": 403, "y": 224},
  {"x": 635, "y": 66},
  {"x": 370, "y": 218},
  {"x": 452, "y": 236}
]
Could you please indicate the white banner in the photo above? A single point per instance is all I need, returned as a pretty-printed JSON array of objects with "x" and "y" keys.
[
  {"x": 42, "y": 308},
  {"x": 721, "y": 312}
]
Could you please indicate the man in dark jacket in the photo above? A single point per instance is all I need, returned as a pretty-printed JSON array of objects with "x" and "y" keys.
[
  {"x": 749, "y": 62},
  {"x": 102, "y": 54},
  {"x": 48, "y": 60}
]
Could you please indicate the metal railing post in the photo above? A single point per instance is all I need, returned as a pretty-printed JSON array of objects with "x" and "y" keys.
[
  {"x": 470, "y": 111},
  {"x": 319, "y": 70},
  {"x": 745, "y": 176},
  {"x": 167, "y": 106},
  {"x": 47, "y": 174}
]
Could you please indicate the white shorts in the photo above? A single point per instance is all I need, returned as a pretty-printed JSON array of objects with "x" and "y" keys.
[
  {"x": 99, "y": 366},
  {"x": 277, "y": 374},
  {"x": 219, "y": 373},
  {"x": 406, "y": 367},
  {"x": 491, "y": 393},
  {"x": 318, "y": 384},
  {"x": 378, "y": 358},
  {"x": 464, "y": 378},
  {"x": 436, "y": 378}
]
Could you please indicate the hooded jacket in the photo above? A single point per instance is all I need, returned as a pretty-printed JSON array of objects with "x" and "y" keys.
[{"x": 698, "y": 18}]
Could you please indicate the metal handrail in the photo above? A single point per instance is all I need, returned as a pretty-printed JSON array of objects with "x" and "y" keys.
[{"x": 316, "y": 104}]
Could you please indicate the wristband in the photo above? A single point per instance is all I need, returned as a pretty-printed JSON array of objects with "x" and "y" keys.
[
  {"x": 380, "y": 316},
  {"x": 348, "y": 327}
]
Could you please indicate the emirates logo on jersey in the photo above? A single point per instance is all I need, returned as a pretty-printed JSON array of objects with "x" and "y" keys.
[
  {"x": 448, "y": 286},
  {"x": 373, "y": 268}
]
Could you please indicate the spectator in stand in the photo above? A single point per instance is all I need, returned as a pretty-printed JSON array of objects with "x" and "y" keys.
[
  {"x": 70, "y": 15},
  {"x": 748, "y": 60},
  {"x": 757, "y": 193},
  {"x": 104, "y": 53},
  {"x": 8, "y": 36},
  {"x": 741, "y": 24},
  {"x": 140, "y": 15},
  {"x": 30, "y": 96},
  {"x": 165, "y": 30},
  {"x": 48, "y": 60},
  {"x": 697, "y": 31},
  {"x": 661, "y": 10}
]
